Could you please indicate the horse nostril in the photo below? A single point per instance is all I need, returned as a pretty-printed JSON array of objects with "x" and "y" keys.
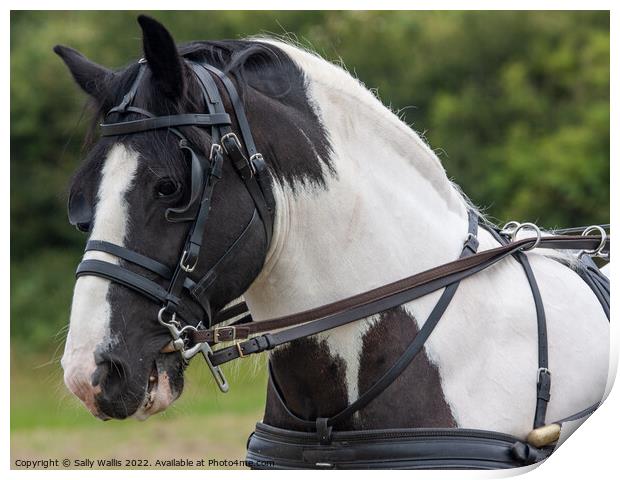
[{"x": 111, "y": 375}]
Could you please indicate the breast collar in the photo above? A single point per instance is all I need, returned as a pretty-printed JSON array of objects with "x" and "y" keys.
[{"x": 252, "y": 170}]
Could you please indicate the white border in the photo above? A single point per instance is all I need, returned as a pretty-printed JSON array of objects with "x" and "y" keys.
[{"x": 592, "y": 451}]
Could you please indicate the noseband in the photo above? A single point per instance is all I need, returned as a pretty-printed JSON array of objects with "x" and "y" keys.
[{"x": 252, "y": 170}]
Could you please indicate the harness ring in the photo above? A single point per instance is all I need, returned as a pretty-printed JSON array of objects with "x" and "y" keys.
[
  {"x": 598, "y": 250},
  {"x": 531, "y": 226}
]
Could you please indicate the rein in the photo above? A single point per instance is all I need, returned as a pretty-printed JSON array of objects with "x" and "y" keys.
[{"x": 342, "y": 312}]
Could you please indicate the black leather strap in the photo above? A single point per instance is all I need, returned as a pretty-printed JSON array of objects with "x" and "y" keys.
[
  {"x": 136, "y": 282},
  {"x": 199, "y": 166},
  {"x": 252, "y": 169},
  {"x": 244, "y": 126},
  {"x": 154, "y": 123},
  {"x": 399, "y": 448},
  {"x": 130, "y": 95},
  {"x": 261, "y": 343},
  {"x": 207, "y": 280},
  {"x": 543, "y": 382},
  {"x": 127, "y": 278},
  {"x": 131, "y": 256},
  {"x": 231, "y": 312}
]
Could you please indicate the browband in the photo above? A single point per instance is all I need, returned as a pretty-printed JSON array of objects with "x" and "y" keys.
[{"x": 154, "y": 123}]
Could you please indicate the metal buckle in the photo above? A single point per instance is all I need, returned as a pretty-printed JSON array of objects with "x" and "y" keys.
[
  {"x": 255, "y": 156},
  {"x": 217, "y": 330},
  {"x": 238, "y": 345},
  {"x": 214, "y": 147},
  {"x": 513, "y": 234},
  {"x": 187, "y": 268},
  {"x": 542, "y": 370},
  {"x": 230, "y": 135}
]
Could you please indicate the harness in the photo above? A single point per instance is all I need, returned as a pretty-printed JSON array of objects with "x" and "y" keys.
[
  {"x": 319, "y": 446},
  {"x": 205, "y": 172},
  {"x": 322, "y": 446}
]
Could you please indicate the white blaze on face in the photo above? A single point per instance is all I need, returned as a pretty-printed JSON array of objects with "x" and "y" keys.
[{"x": 90, "y": 312}]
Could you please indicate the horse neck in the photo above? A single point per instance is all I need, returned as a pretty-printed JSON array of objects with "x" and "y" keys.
[{"x": 386, "y": 212}]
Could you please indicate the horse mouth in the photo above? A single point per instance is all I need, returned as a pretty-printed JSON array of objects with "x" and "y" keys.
[
  {"x": 159, "y": 393},
  {"x": 151, "y": 388}
]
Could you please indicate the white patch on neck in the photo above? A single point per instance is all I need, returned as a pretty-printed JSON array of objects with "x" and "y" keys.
[
  {"x": 90, "y": 310},
  {"x": 367, "y": 225},
  {"x": 346, "y": 343}
]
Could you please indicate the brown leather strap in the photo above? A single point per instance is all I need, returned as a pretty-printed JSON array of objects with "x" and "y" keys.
[{"x": 434, "y": 278}]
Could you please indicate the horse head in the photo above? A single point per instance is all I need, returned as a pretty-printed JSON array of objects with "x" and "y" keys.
[{"x": 143, "y": 192}]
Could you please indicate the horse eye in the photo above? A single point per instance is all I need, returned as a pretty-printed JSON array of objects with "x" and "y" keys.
[{"x": 166, "y": 187}]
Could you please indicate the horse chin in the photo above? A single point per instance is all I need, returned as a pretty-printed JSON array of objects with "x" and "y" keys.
[{"x": 159, "y": 392}]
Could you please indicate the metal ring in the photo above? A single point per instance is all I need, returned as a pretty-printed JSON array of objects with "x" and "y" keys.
[
  {"x": 597, "y": 251},
  {"x": 532, "y": 226},
  {"x": 514, "y": 224},
  {"x": 173, "y": 318},
  {"x": 509, "y": 227},
  {"x": 187, "y": 328}
]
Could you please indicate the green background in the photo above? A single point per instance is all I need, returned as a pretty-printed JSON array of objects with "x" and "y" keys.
[{"x": 516, "y": 104}]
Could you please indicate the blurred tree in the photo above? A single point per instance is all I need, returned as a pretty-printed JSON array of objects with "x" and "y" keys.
[{"x": 516, "y": 104}]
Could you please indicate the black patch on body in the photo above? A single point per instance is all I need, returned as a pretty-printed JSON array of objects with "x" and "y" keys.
[
  {"x": 286, "y": 129},
  {"x": 312, "y": 384},
  {"x": 415, "y": 399}
]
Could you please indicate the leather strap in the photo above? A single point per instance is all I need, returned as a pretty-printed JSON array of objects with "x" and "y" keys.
[
  {"x": 231, "y": 312},
  {"x": 252, "y": 169},
  {"x": 127, "y": 278},
  {"x": 130, "y": 95},
  {"x": 397, "y": 448},
  {"x": 543, "y": 382},
  {"x": 129, "y": 255},
  {"x": 319, "y": 319},
  {"x": 235, "y": 100},
  {"x": 154, "y": 123}
]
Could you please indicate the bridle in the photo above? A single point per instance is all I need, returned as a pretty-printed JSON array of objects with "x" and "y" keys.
[
  {"x": 205, "y": 172},
  {"x": 200, "y": 334}
]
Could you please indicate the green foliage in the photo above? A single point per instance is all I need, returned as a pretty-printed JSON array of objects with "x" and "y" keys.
[{"x": 517, "y": 104}]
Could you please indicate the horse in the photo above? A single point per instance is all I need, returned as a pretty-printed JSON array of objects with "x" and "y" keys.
[{"x": 359, "y": 201}]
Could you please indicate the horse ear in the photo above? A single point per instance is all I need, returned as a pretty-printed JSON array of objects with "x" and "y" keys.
[
  {"x": 88, "y": 75},
  {"x": 162, "y": 57}
]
